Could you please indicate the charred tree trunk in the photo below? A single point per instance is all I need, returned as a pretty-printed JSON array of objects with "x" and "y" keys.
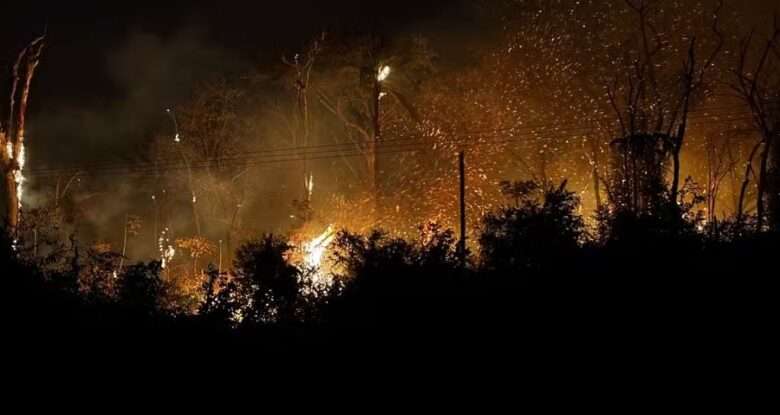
[
  {"x": 13, "y": 210},
  {"x": 12, "y": 132}
]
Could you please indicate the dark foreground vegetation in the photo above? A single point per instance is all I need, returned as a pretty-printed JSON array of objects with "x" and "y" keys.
[{"x": 540, "y": 279}]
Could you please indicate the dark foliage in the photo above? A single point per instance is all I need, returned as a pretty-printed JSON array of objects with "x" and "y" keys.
[
  {"x": 268, "y": 281},
  {"x": 387, "y": 280},
  {"x": 540, "y": 235},
  {"x": 141, "y": 288},
  {"x": 537, "y": 276}
]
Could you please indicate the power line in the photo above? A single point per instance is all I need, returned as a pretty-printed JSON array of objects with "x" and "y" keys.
[
  {"x": 335, "y": 150},
  {"x": 403, "y": 145},
  {"x": 303, "y": 150}
]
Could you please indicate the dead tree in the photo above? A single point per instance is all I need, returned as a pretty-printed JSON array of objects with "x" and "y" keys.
[
  {"x": 373, "y": 83},
  {"x": 356, "y": 103},
  {"x": 653, "y": 114},
  {"x": 12, "y": 143},
  {"x": 720, "y": 165},
  {"x": 207, "y": 157},
  {"x": 756, "y": 84},
  {"x": 302, "y": 66}
]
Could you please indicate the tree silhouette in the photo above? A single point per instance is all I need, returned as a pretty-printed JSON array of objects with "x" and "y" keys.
[
  {"x": 266, "y": 278},
  {"x": 539, "y": 235},
  {"x": 141, "y": 287}
]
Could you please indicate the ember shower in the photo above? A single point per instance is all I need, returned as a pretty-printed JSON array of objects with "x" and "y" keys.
[{"x": 209, "y": 145}]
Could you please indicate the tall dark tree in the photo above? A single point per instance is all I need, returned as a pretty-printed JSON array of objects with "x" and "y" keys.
[
  {"x": 268, "y": 280},
  {"x": 653, "y": 107},
  {"x": 757, "y": 83}
]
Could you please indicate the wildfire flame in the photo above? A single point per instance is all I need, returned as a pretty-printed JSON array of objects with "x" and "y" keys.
[
  {"x": 314, "y": 250},
  {"x": 167, "y": 251},
  {"x": 19, "y": 170},
  {"x": 19, "y": 174}
]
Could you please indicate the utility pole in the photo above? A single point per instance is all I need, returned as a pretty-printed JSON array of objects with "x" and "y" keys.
[
  {"x": 462, "y": 244},
  {"x": 380, "y": 76}
]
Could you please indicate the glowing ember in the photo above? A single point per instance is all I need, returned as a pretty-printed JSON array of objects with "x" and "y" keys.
[{"x": 383, "y": 73}]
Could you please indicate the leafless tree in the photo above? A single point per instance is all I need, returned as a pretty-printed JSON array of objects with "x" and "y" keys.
[
  {"x": 301, "y": 67},
  {"x": 653, "y": 109},
  {"x": 757, "y": 83},
  {"x": 720, "y": 164},
  {"x": 206, "y": 156}
]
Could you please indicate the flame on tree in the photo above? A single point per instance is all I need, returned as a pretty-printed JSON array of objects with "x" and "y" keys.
[{"x": 12, "y": 150}]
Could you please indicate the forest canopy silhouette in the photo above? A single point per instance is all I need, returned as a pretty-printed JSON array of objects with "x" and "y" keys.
[{"x": 549, "y": 166}]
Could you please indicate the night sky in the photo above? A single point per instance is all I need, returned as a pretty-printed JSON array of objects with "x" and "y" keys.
[
  {"x": 107, "y": 63},
  {"x": 84, "y": 36},
  {"x": 111, "y": 67}
]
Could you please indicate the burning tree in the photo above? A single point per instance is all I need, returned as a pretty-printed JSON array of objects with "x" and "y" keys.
[
  {"x": 367, "y": 88},
  {"x": 12, "y": 146}
]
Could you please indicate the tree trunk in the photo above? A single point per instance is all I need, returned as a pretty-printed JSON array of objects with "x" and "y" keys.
[
  {"x": 12, "y": 132},
  {"x": 373, "y": 163},
  {"x": 124, "y": 244},
  {"x": 745, "y": 184},
  {"x": 762, "y": 187},
  {"x": 675, "y": 176},
  {"x": 12, "y": 200}
]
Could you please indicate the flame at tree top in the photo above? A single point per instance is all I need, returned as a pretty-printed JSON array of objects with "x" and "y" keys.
[{"x": 383, "y": 73}]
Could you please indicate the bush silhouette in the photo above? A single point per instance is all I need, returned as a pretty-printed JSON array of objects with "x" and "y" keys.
[{"x": 541, "y": 234}]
